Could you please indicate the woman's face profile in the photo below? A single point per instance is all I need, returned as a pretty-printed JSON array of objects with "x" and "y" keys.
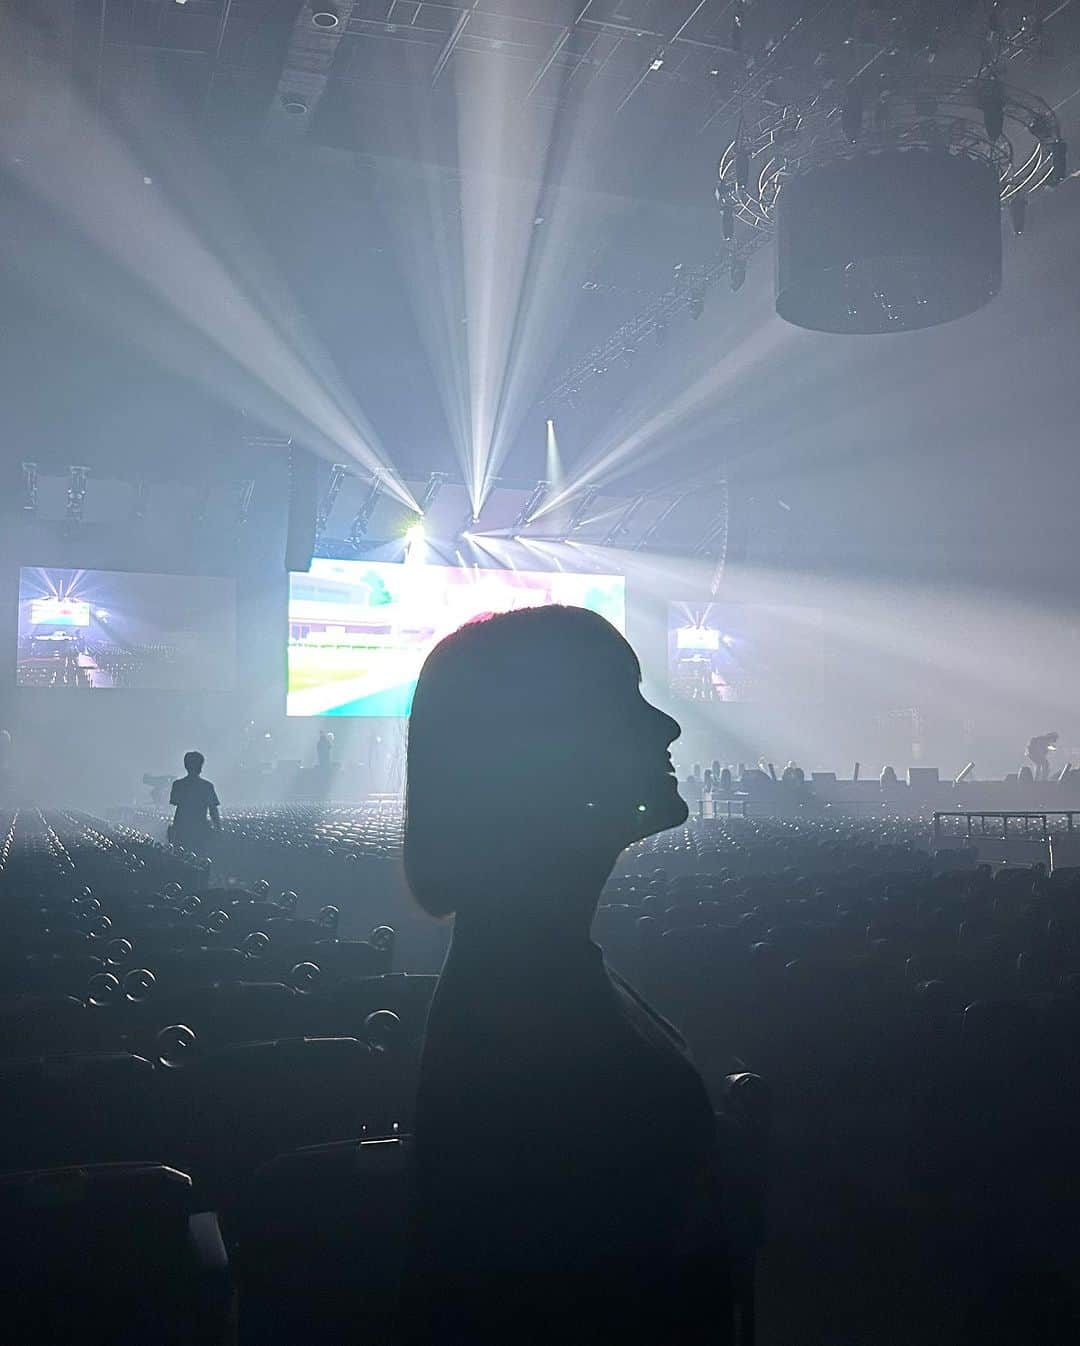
[
  {"x": 620, "y": 757},
  {"x": 531, "y": 744}
]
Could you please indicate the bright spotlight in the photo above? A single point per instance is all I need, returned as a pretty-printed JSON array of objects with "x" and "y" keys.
[
  {"x": 102, "y": 615},
  {"x": 414, "y": 534}
]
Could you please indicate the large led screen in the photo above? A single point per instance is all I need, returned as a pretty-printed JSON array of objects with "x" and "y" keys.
[
  {"x": 745, "y": 652},
  {"x": 101, "y": 629},
  {"x": 359, "y": 631}
]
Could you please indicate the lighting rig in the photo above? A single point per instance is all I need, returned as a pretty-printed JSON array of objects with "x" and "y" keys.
[
  {"x": 140, "y": 501},
  {"x": 657, "y": 523},
  {"x": 359, "y": 526},
  {"x": 338, "y": 473},
  {"x": 245, "y": 493},
  {"x": 76, "y": 495},
  {"x": 435, "y": 483},
  {"x": 468, "y": 525},
  {"x": 531, "y": 505},
  {"x": 621, "y": 527},
  {"x": 884, "y": 197},
  {"x": 901, "y": 123},
  {"x": 30, "y": 488},
  {"x": 579, "y": 517}
]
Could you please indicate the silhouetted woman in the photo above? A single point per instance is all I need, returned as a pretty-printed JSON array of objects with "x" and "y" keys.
[{"x": 566, "y": 1189}]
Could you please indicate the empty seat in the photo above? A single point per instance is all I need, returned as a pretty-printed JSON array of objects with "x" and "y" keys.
[
  {"x": 110, "y": 1255},
  {"x": 64, "y": 1109},
  {"x": 237, "y": 1107},
  {"x": 321, "y": 1241}
]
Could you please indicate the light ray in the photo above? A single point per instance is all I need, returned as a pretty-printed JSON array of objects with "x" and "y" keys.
[{"x": 94, "y": 180}]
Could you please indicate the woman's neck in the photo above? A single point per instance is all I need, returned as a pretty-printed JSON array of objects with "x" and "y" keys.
[{"x": 539, "y": 904}]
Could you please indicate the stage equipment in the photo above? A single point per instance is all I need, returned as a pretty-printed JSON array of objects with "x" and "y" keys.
[
  {"x": 580, "y": 515},
  {"x": 431, "y": 491},
  {"x": 245, "y": 493},
  {"x": 76, "y": 495},
  {"x": 338, "y": 473},
  {"x": 359, "y": 526},
  {"x": 965, "y": 773},
  {"x": 890, "y": 222},
  {"x": 140, "y": 501},
  {"x": 30, "y": 488},
  {"x": 665, "y": 514},
  {"x": 621, "y": 526},
  {"x": 532, "y": 503},
  {"x": 714, "y": 540},
  {"x": 303, "y": 503}
]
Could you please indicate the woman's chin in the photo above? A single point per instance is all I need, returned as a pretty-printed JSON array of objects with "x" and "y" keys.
[
  {"x": 680, "y": 811},
  {"x": 667, "y": 812}
]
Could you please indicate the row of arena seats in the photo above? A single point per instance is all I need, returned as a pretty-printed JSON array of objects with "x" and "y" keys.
[
  {"x": 918, "y": 1019},
  {"x": 208, "y": 1095},
  {"x": 183, "y": 1070},
  {"x": 339, "y": 846},
  {"x": 915, "y": 1015}
]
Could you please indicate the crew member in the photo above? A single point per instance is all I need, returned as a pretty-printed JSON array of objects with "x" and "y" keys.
[
  {"x": 1039, "y": 749},
  {"x": 196, "y": 804}
]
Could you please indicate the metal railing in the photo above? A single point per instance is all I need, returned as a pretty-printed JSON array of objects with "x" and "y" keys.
[
  {"x": 720, "y": 808},
  {"x": 1010, "y": 825}
]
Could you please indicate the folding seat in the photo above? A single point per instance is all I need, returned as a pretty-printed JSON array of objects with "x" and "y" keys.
[
  {"x": 404, "y": 994},
  {"x": 336, "y": 960},
  {"x": 237, "y": 1107},
  {"x": 292, "y": 930},
  {"x": 234, "y": 920},
  {"x": 111, "y": 1255},
  {"x": 31, "y": 1024},
  {"x": 321, "y": 1240},
  {"x": 50, "y": 974},
  {"x": 76, "y": 1108},
  {"x": 55, "y": 941},
  {"x": 1040, "y": 968},
  {"x": 682, "y": 917},
  {"x": 150, "y": 942},
  {"x": 226, "y": 1012},
  {"x": 192, "y": 967}
]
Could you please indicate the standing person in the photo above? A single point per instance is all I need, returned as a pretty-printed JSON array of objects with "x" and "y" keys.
[
  {"x": 324, "y": 750},
  {"x": 1039, "y": 749},
  {"x": 196, "y": 804},
  {"x": 565, "y": 1144}
]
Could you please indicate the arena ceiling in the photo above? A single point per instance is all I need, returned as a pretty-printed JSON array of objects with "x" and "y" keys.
[{"x": 308, "y": 123}]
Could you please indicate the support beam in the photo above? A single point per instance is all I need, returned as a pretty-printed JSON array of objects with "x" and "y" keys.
[{"x": 452, "y": 41}]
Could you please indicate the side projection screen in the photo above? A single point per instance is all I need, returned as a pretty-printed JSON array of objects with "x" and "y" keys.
[
  {"x": 104, "y": 629},
  {"x": 746, "y": 652}
]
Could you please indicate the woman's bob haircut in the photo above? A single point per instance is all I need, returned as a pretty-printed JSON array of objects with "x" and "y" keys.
[{"x": 500, "y": 747}]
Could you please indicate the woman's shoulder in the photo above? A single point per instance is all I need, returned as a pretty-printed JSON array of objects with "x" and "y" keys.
[{"x": 653, "y": 1016}]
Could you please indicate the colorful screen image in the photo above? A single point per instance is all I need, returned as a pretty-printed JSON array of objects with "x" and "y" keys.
[
  {"x": 54, "y": 611},
  {"x": 697, "y": 638},
  {"x": 101, "y": 629},
  {"x": 359, "y": 631},
  {"x": 746, "y": 652}
]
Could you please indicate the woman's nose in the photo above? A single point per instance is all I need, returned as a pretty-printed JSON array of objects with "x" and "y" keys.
[{"x": 670, "y": 727}]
